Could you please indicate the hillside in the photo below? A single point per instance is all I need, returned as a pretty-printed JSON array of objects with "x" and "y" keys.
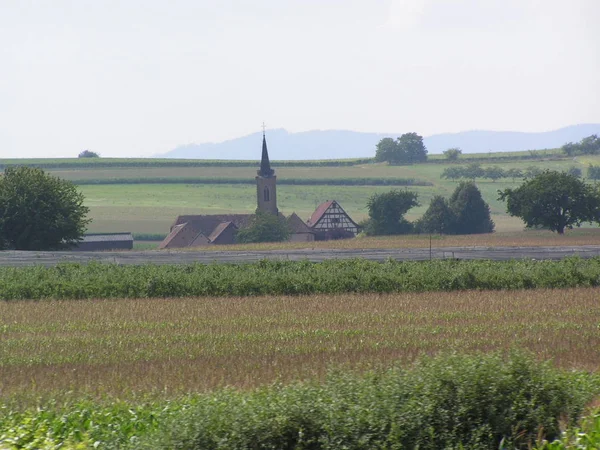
[{"x": 334, "y": 144}]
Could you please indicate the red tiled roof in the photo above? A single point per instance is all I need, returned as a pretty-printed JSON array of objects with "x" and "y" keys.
[{"x": 316, "y": 216}]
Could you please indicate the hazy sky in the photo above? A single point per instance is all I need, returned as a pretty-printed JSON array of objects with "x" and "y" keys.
[{"x": 139, "y": 77}]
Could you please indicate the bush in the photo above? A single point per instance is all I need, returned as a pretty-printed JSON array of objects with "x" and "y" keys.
[
  {"x": 95, "y": 280},
  {"x": 88, "y": 154},
  {"x": 476, "y": 402}
]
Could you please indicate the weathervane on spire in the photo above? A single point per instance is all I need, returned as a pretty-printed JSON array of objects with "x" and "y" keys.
[{"x": 264, "y": 127}]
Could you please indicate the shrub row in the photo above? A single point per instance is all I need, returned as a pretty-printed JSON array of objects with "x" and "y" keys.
[
  {"x": 471, "y": 402},
  {"x": 97, "y": 280},
  {"x": 286, "y": 181},
  {"x": 89, "y": 163}
]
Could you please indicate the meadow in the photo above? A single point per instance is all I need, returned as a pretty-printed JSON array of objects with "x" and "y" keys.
[{"x": 152, "y": 207}]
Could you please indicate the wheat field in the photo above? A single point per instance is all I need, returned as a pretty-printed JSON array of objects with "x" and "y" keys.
[{"x": 169, "y": 346}]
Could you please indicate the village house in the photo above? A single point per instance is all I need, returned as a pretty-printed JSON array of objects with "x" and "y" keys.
[{"x": 329, "y": 220}]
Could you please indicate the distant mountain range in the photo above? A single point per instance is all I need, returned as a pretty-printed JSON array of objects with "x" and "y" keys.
[{"x": 333, "y": 144}]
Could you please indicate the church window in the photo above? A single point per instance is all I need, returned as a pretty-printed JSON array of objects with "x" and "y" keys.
[{"x": 266, "y": 195}]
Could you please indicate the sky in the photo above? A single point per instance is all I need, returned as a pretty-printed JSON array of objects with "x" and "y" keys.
[{"x": 129, "y": 78}]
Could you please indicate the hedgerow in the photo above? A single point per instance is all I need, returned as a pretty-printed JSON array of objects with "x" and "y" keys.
[
  {"x": 98, "y": 280},
  {"x": 282, "y": 181},
  {"x": 471, "y": 402}
]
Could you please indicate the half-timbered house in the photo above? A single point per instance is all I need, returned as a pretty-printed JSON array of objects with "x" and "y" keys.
[{"x": 330, "y": 221}]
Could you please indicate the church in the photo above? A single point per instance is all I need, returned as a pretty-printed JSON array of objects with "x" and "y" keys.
[{"x": 220, "y": 229}]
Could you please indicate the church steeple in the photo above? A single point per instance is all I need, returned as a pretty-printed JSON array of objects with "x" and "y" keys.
[
  {"x": 266, "y": 183},
  {"x": 265, "y": 165}
]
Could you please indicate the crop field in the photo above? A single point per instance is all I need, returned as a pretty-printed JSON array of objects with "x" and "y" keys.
[
  {"x": 129, "y": 204},
  {"x": 151, "y": 208},
  {"x": 167, "y": 346}
]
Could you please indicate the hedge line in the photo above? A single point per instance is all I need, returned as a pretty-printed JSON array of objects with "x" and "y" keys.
[
  {"x": 90, "y": 163},
  {"x": 282, "y": 181},
  {"x": 470, "y": 402},
  {"x": 97, "y": 280}
]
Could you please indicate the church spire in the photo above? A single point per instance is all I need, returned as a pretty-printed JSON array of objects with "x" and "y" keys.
[{"x": 265, "y": 165}]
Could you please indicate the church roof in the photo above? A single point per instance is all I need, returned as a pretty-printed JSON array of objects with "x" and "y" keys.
[
  {"x": 265, "y": 164},
  {"x": 207, "y": 223},
  {"x": 219, "y": 229},
  {"x": 297, "y": 225}
]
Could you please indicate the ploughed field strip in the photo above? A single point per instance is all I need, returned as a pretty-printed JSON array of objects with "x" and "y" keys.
[
  {"x": 167, "y": 346},
  {"x": 18, "y": 258}
]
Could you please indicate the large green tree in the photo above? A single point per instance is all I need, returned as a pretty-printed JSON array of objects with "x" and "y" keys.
[
  {"x": 386, "y": 213},
  {"x": 407, "y": 149},
  {"x": 471, "y": 212},
  {"x": 553, "y": 200},
  {"x": 438, "y": 218},
  {"x": 264, "y": 227},
  {"x": 39, "y": 211}
]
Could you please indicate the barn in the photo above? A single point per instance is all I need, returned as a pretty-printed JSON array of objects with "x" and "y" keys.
[{"x": 104, "y": 242}]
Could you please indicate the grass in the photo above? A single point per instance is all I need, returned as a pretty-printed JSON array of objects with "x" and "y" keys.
[
  {"x": 528, "y": 238},
  {"x": 151, "y": 208},
  {"x": 169, "y": 346}
]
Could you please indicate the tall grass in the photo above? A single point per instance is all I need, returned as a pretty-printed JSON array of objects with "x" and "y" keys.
[{"x": 96, "y": 280}]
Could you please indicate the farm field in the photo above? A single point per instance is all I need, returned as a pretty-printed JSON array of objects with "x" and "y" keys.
[
  {"x": 131, "y": 205},
  {"x": 151, "y": 208},
  {"x": 169, "y": 346}
]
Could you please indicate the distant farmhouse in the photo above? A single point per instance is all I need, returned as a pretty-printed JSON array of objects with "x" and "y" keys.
[
  {"x": 328, "y": 221},
  {"x": 104, "y": 242}
]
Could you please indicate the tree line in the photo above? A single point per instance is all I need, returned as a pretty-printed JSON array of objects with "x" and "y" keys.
[
  {"x": 475, "y": 170},
  {"x": 587, "y": 146}
]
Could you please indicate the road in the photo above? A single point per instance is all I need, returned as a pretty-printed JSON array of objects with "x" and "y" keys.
[{"x": 19, "y": 258}]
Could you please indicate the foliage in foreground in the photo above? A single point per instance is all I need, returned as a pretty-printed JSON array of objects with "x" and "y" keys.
[
  {"x": 586, "y": 437},
  {"x": 475, "y": 402},
  {"x": 96, "y": 280}
]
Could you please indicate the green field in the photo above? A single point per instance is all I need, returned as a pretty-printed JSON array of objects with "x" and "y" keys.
[{"x": 151, "y": 208}]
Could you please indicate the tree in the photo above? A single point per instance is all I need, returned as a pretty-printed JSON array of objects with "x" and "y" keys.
[
  {"x": 593, "y": 172},
  {"x": 452, "y": 154},
  {"x": 472, "y": 213},
  {"x": 88, "y": 154},
  {"x": 453, "y": 173},
  {"x": 553, "y": 200},
  {"x": 473, "y": 170},
  {"x": 407, "y": 149},
  {"x": 264, "y": 227},
  {"x": 514, "y": 173},
  {"x": 587, "y": 146},
  {"x": 386, "y": 213},
  {"x": 411, "y": 144},
  {"x": 39, "y": 211},
  {"x": 532, "y": 171},
  {"x": 575, "y": 171},
  {"x": 438, "y": 218},
  {"x": 494, "y": 173}
]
